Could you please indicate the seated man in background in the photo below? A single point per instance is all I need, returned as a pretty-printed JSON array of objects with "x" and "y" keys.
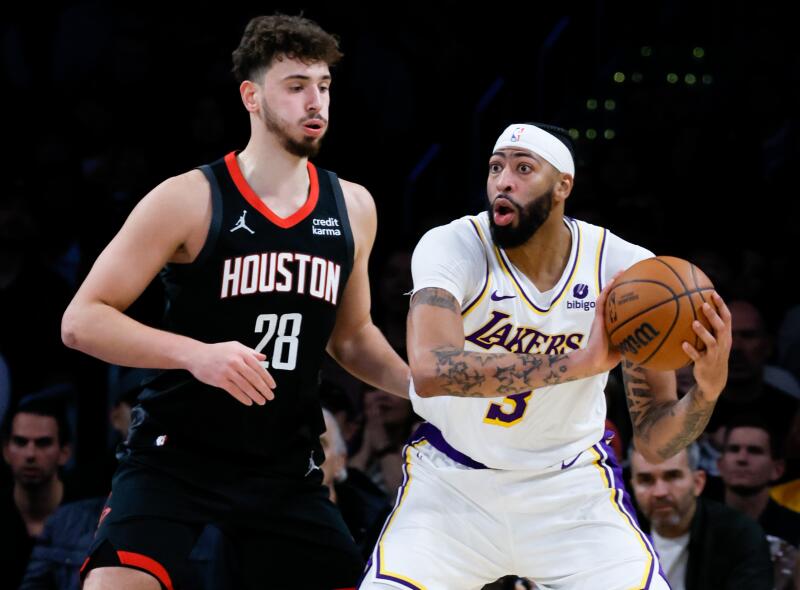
[
  {"x": 64, "y": 542},
  {"x": 36, "y": 444},
  {"x": 702, "y": 544},
  {"x": 749, "y": 463}
]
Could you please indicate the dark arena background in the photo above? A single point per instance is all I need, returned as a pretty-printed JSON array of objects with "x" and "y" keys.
[{"x": 684, "y": 115}]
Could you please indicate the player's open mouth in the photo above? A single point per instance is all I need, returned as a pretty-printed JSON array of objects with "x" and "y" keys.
[
  {"x": 314, "y": 127},
  {"x": 503, "y": 211}
]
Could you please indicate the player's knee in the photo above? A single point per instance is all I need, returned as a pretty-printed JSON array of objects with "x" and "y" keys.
[{"x": 119, "y": 578}]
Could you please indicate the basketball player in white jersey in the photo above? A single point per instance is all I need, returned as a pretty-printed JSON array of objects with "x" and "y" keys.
[{"x": 512, "y": 473}]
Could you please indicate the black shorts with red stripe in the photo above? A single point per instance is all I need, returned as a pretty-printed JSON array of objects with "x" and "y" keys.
[{"x": 276, "y": 533}]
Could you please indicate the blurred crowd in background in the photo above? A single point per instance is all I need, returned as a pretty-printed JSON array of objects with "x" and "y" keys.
[{"x": 686, "y": 124}]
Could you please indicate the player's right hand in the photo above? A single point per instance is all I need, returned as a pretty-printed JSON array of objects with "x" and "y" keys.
[
  {"x": 237, "y": 369},
  {"x": 603, "y": 356}
]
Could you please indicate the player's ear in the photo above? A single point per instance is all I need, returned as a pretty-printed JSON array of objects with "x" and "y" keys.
[
  {"x": 563, "y": 186},
  {"x": 249, "y": 91}
]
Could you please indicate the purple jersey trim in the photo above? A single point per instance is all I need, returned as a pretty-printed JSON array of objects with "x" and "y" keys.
[
  {"x": 623, "y": 500},
  {"x": 507, "y": 266},
  {"x": 401, "y": 494},
  {"x": 434, "y": 436},
  {"x": 600, "y": 261},
  {"x": 486, "y": 278}
]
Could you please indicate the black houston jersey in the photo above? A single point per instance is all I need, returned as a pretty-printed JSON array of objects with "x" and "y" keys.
[{"x": 273, "y": 284}]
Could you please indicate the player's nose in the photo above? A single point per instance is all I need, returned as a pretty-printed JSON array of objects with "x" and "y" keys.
[
  {"x": 314, "y": 99},
  {"x": 504, "y": 182}
]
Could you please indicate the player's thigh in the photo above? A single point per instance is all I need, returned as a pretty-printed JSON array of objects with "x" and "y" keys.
[
  {"x": 153, "y": 547},
  {"x": 580, "y": 527},
  {"x": 150, "y": 523},
  {"x": 443, "y": 532},
  {"x": 305, "y": 544},
  {"x": 120, "y": 578}
]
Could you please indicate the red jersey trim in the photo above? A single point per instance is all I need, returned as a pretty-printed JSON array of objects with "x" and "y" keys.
[
  {"x": 250, "y": 195},
  {"x": 148, "y": 564}
]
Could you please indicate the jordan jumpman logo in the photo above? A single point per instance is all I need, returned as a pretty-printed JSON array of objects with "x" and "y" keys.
[{"x": 241, "y": 224}]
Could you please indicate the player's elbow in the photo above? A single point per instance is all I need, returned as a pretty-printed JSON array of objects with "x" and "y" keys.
[
  {"x": 423, "y": 373},
  {"x": 426, "y": 388},
  {"x": 425, "y": 381},
  {"x": 71, "y": 327}
]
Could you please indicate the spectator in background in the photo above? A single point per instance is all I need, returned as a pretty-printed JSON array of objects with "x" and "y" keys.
[
  {"x": 64, "y": 543},
  {"x": 363, "y": 505},
  {"x": 394, "y": 284},
  {"x": 342, "y": 406},
  {"x": 36, "y": 444},
  {"x": 747, "y": 391},
  {"x": 702, "y": 544},
  {"x": 750, "y": 461},
  {"x": 388, "y": 422}
]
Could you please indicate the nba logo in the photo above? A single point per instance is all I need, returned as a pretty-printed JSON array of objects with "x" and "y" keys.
[{"x": 515, "y": 135}]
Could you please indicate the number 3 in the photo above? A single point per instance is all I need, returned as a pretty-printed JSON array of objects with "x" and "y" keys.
[{"x": 499, "y": 416}]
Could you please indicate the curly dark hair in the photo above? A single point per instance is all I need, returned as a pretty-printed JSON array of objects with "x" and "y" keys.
[{"x": 271, "y": 37}]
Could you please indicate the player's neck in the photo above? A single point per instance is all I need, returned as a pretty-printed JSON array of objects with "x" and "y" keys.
[
  {"x": 543, "y": 258},
  {"x": 271, "y": 171}
]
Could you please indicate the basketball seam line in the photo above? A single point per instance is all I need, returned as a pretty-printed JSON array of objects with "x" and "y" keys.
[
  {"x": 661, "y": 302},
  {"x": 685, "y": 288},
  {"x": 674, "y": 298}
]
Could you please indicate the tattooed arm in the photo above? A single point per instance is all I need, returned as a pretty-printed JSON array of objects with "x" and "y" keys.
[
  {"x": 441, "y": 366},
  {"x": 662, "y": 424}
]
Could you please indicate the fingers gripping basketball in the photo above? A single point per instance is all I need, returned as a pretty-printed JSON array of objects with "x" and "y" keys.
[{"x": 651, "y": 308}]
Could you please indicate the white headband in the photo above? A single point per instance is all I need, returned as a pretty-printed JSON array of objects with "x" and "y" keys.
[{"x": 539, "y": 141}]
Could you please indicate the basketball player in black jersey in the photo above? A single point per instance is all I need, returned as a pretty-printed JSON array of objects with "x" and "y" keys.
[{"x": 264, "y": 260}]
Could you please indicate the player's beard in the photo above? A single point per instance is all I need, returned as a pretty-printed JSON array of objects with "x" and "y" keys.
[
  {"x": 529, "y": 219},
  {"x": 308, "y": 147}
]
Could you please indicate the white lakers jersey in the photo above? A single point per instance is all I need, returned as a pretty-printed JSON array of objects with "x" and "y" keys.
[{"x": 503, "y": 310}]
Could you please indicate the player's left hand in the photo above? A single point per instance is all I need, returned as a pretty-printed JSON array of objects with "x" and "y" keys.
[{"x": 711, "y": 365}]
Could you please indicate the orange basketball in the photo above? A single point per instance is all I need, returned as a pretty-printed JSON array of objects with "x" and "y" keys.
[{"x": 650, "y": 310}]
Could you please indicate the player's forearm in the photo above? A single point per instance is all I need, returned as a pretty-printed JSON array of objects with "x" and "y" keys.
[
  {"x": 662, "y": 428},
  {"x": 367, "y": 355},
  {"x": 109, "y": 335},
  {"x": 451, "y": 370}
]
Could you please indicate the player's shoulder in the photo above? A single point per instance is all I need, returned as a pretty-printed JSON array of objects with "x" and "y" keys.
[
  {"x": 358, "y": 200},
  {"x": 470, "y": 227},
  {"x": 356, "y": 193},
  {"x": 186, "y": 187},
  {"x": 611, "y": 242},
  {"x": 457, "y": 238},
  {"x": 589, "y": 231},
  {"x": 181, "y": 202}
]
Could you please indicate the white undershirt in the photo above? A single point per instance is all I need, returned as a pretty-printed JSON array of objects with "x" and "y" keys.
[{"x": 674, "y": 556}]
